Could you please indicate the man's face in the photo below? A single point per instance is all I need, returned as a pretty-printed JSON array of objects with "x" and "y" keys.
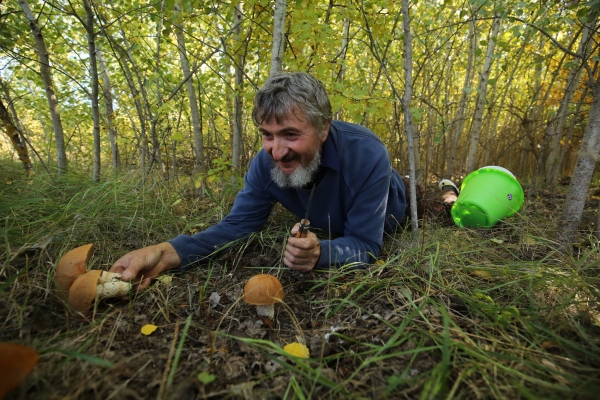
[{"x": 292, "y": 145}]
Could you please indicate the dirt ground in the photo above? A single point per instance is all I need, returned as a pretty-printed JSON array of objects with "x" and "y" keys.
[{"x": 353, "y": 321}]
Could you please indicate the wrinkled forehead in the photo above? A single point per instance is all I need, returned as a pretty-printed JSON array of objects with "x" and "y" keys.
[{"x": 281, "y": 115}]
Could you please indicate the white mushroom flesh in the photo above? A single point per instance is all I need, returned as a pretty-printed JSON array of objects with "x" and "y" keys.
[
  {"x": 111, "y": 285},
  {"x": 266, "y": 311}
]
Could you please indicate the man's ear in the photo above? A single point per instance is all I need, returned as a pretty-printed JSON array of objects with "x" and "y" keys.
[{"x": 326, "y": 132}]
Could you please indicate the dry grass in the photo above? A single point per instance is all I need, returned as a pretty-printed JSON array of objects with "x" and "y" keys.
[{"x": 495, "y": 313}]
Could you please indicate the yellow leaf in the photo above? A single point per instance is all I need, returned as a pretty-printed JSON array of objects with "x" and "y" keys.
[
  {"x": 481, "y": 274},
  {"x": 166, "y": 279},
  {"x": 148, "y": 329},
  {"x": 297, "y": 349}
]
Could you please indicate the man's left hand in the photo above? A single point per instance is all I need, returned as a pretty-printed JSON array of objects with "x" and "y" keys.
[{"x": 302, "y": 254}]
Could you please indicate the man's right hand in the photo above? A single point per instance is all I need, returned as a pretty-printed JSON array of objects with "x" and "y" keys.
[{"x": 144, "y": 264}]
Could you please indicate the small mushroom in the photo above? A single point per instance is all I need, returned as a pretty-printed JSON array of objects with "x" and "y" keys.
[
  {"x": 95, "y": 285},
  {"x": 16, "y": 362},
  {"x": 263, "y": 291},
  {"x": 71, "y": 265}
]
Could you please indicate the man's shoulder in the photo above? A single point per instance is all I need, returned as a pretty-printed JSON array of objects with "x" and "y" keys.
[
  {"x": 349, "y": 131},
  {"x": 356, "y": 141}
]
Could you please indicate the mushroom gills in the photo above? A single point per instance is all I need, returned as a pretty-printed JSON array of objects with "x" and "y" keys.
[{"x": 111, "y": 285}]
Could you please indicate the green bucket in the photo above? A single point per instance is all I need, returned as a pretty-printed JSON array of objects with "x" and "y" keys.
[{"x": 487, "y": 196}]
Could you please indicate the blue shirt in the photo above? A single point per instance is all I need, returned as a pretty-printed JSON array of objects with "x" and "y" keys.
[{"x": 357, "y": 195}]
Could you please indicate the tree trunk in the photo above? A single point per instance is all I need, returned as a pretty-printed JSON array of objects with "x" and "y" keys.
[
  {"x": 553, "y": 159},
  {"x": 89, "y": 29},
  {"x": 342, "y": 58},
  {"x": 460, "y": 115},
  {"x": 278, "y": 36},
  {"x": 44, "y": 59},
  {"x": 108, "y": 103},
  {"x": 156, "y": 152},
  {"x": 185, "y": 68},
  {"x": 582, "y": 175},
  {"x": 481, "y": 95},
  {"x": 408, "y": 124},
  {"x": 500, "y": 107},
  {"x": 15, "y": 138},
  {"x": 239, "y": 87}
]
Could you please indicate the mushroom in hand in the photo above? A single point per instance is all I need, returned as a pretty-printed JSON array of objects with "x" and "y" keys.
[
  {"x": 71, "y": 265},
  {"x": 263, "y": 291},
  {"x": 84, "y": 287}
]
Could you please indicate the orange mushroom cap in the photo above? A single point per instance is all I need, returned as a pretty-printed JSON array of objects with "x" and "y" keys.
[
  {"x": 71, "y": 265},
  {"x": 263, "y": 290},
  {"x": 83, "y": 291},
  {"x": 16, "y": 362}
]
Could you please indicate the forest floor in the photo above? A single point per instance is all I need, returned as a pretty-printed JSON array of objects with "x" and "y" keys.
[{"x": 463, "y": 313}]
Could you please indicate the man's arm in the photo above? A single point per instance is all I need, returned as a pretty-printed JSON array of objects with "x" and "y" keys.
[{"x": 250, "y": 211}]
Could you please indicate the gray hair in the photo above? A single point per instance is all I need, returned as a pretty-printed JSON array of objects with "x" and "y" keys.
[{"x": 285, "y": 93}]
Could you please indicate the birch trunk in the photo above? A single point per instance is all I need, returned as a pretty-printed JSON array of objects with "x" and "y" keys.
[
  {"x": 408, "y": 123},
  {"x": 460, "y": 115},
  {"x": 185, "y": 68},
  {"x": 500, "y": 108},
  {"x": 342, "y": 58},
  {"x": 108, "y": 104},
  {"x": 278, "y": 37},
  {"x": 239, "y": 87},
  {"x": 44, "y": 59},
  {"x": 582, "y": 175},
  {"x": 156, "y": 152},
  {"x": 15, "y": 138},
  {"x": 481, "y": 95},
  {"x": 89, "y": 29},
  {"x": 553, "y": 160}
]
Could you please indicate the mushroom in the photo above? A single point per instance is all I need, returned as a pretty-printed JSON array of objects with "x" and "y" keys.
[
  {"x": 84, "y": 287},
  {"x": 263, "y": 291},
  {"x": 16, "y": 362},
  {"x": 71, "y": 265},
  {"x": 95, "y": 285}
]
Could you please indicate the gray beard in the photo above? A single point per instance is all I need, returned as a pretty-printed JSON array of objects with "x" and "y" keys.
[{"x": 301, "y": 175}]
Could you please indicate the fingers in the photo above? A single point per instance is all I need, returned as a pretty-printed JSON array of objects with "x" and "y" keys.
[
  {"x": 144, "y": 284},
  {"x": 302, "y": 254},
  {"x": 295, "y": 229}
]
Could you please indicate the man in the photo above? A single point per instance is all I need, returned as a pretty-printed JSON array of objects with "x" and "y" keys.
[{"x": 357, "y": 195}]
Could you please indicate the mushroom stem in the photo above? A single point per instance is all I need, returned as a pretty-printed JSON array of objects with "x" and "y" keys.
[
  {"x": 266, "y": 311},
  {"x": 111, "y": 285}
]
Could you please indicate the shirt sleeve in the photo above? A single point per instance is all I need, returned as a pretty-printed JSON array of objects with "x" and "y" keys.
[
  {"x": 364, "y": 225},
  {"x": 250, "y": 211}
]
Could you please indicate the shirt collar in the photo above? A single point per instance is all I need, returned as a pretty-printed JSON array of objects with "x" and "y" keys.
[{"x": 329, "y": 155}]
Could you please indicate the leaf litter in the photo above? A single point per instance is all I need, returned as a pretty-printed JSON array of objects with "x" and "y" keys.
[{"x": 484, "y": 318}]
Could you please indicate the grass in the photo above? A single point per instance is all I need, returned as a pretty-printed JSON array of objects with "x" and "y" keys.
[{"x": 498, "y": 313}]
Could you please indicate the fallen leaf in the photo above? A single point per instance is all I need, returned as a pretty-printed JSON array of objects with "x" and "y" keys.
[
  {"x": 498, "y": 241},
  {"x": 205, "y": 377},
  {"x": 16, "y": 362},
  {"x": 481, "y": 274},
  {"x": 166, "y": 279},
  {"x": 549, "y": 345},
  {"x": 148, "y": 329},
  {"x": 297, "y": 350}
]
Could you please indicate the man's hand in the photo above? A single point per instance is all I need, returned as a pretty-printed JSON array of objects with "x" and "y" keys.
[
  {"x": 302, "y": 254},
  {"x": 144, "y": 264}
]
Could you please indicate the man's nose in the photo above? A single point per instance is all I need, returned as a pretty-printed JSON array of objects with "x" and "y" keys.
[{"x": 279, "y": 149}]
